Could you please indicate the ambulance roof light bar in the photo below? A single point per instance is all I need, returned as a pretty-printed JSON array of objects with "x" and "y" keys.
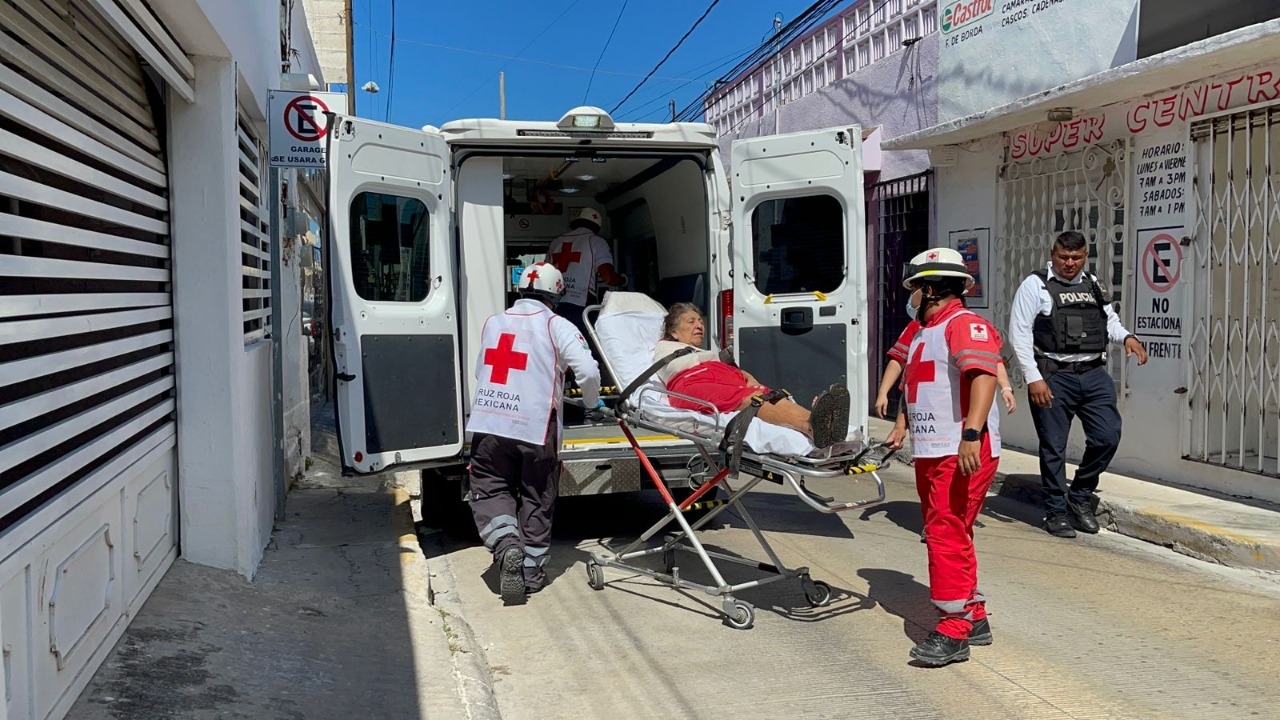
[{"x": 586, "y": 118}]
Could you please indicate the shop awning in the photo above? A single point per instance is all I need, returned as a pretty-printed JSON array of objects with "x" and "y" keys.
[{"x": 1220, "y": 54}]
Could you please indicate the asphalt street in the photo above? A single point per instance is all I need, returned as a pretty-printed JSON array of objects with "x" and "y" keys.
[{"x": 1100, "y": 627}]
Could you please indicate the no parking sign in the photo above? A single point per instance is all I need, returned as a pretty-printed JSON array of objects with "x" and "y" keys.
[{"x": 298, "y": 126}]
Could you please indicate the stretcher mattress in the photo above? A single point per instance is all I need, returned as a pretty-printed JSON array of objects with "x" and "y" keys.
[{"x": 628, "y": 328}]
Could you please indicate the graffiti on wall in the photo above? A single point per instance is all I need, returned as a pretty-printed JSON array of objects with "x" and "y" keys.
[{"x": 1162, "y": 110}]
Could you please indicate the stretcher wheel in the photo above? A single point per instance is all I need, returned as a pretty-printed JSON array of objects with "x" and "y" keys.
[
  {"x": 595, "y": 576},
  {"x": 742, "y": 617},
  {"x": 669, "y": 560},
  {"x": 817, "y": 593}
]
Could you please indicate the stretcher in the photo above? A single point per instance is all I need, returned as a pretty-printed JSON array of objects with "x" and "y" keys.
[{"x": 735, "y": 452}]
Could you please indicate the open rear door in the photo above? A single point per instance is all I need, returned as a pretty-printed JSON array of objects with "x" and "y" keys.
[
  {"x": 394, "y": 302},
  {"x": 799, "y": 255}
]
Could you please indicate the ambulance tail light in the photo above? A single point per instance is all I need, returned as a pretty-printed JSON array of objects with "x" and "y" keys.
[{"x": 726, "y": 319}]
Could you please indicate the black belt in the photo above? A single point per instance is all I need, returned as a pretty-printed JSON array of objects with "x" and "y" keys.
[{"x": 1049, "y": 365}]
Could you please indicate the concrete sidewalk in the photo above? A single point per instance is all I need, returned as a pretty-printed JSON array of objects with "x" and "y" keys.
[
  {"x": 336, "y": 624},
  {"x": 1195, "y": 523}
]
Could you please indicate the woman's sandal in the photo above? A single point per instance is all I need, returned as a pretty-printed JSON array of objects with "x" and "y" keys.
[{"x": 829, "y": 417}]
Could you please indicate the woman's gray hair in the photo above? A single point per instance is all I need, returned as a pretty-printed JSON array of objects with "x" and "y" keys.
[{"x": 674, "y": 313}]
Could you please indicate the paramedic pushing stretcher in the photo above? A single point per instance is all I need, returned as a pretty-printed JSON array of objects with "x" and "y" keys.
[
  {"x": 515, "y": 422},
  {"x": 955, "y": 434},
  {"x": 1059, "y": 328}
]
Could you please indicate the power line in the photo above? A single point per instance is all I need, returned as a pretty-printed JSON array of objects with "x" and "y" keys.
[
  {"x": 666, "y": 57},
  {"x": 515, "y": 57},
  {"x": 664, "y": 96},
  {"x": 777, "y": 85},
  {"x": 811, "y": 16},
  {"x": 603, "y": 49},
  {"x": 391, "y": 66}
]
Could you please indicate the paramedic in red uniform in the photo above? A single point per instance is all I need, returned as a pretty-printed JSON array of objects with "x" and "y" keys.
[
  {"x": 515, "y": 426},
  {"x": 583, "y": 257},
  {"x": 955, "y": 434}
]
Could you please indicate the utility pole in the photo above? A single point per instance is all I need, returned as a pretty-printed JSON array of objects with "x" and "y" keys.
[
  {"x": 673, "y": 110},
  {"x": 502, "y": 96},
  {"x": 351, "y": 58}
]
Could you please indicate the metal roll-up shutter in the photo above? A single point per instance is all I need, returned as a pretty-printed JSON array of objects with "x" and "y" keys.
[{"x": 86, "y": 319}]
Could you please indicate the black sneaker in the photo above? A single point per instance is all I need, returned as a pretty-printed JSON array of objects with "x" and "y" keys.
[
  {"x": 1082, "y": 518},
  {"x": 829, "y": 417},
  {"x": 938, "y": 650},
  {"x": 511, "y": 581},
  {"x": 981, "y": 633},
  {"x": 1058, "y": 525}
]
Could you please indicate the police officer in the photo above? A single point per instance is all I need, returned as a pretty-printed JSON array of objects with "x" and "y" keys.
[
  {"x": 1059, "y": 327},
  {"x": 583, "y": 257},
  {"x": 951, "y": 369},
  {"x": 515, "y": 426}
]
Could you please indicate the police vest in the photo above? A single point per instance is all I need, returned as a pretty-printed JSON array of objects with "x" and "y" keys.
[
  {"x": 934, "y": 405},
  {"x": 1078, "y": 321},
  {"x": 572, "y": 255},
  {"x": 517, "y": 377}
]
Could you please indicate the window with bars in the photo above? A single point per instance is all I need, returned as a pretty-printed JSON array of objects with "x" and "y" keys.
[
  {"x": 929, "y": 19},
  {"x": 864, "y": 55},
  {"x": 894, "y": 38},
  {"x": 911, "y": 27},
  {"x": 877, "y": 47},
  {"x": 255, "y": 234},
  {"x": 895, "y": 8},
  {"x": 880, "y": 14}
]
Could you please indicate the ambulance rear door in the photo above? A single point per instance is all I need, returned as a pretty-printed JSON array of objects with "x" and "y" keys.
[
  {"x": 799, "y": 262},
  {"x": 394, "y": 318}
]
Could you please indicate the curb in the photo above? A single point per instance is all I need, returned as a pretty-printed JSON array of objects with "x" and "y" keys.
[{"x": 1180, "y": 533}]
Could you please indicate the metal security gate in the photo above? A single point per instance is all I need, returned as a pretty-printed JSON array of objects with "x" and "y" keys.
[
  {"x": 86, "y": 323},
  {"x": 1083, "y": 190},
  {"x": 901, "y": 211},
  {"x": 1234, "y": 354}
]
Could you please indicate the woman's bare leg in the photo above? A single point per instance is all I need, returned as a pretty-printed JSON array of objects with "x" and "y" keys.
[{"x": 787, "y": 413}]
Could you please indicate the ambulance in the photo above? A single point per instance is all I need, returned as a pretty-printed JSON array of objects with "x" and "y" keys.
[{"x": 429, "y": 229}]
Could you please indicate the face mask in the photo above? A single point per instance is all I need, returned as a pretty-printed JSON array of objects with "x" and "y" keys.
[{"x": 911, "y": 309}]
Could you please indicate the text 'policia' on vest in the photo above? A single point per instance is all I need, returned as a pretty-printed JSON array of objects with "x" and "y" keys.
[{"x": 1078, "y": 323}]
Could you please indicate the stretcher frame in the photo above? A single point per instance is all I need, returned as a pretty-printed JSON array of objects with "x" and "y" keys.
[{"x": 724, "y": 461}]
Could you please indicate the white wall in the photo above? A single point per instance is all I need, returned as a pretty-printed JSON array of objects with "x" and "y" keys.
[
  {"x": 677, "y": 207},
  {"x": 247, "y": 31}
]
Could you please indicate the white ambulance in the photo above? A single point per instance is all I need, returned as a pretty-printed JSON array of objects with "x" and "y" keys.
[{"x": 429, "y": 229}]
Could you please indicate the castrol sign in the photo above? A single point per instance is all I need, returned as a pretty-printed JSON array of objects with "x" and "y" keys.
[{"x": 965, "y": 12}]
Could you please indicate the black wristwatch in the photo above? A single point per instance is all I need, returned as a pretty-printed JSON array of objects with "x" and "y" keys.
[{"x": 971, "y": 435}]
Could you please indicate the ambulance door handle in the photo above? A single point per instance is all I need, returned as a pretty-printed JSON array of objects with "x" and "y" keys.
[{"x": 797, "y": 320}]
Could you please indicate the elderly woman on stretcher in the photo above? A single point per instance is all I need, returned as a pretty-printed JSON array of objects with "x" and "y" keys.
[{"x": 705, "y": 375}]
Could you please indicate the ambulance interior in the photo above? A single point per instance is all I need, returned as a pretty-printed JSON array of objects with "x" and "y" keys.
[{"x": 656, "y": 221}]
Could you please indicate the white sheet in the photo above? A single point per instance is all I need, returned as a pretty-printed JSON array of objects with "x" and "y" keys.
[{"x": 629, "y": 326}]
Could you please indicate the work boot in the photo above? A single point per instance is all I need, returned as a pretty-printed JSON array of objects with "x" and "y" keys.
[
  {"x": 1082, "y": 517},
  {"x": 1057, "y": 524},
  {"x": 511, "y": 580},
  {"x": 938, "y": 650},
  {"x": 981, "y": 633}
]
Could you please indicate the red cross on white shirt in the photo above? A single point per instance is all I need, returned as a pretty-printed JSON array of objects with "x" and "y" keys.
[
  {"x": 565, "y": 257},
  {"x": 503, "y": 359}
]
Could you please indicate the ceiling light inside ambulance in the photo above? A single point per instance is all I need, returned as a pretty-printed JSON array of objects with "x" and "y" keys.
[
  {"x": 569, "y": 189},
  {"x": 586, "y": 178},
  {"x": 586, "y": 118}
]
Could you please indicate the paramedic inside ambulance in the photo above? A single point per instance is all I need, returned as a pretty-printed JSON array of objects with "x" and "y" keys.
[
  {"x": 515, "y": 427},
  {"x": 583, "y": 257}
]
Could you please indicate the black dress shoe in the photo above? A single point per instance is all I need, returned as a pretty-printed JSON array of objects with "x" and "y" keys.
[
  {"x": 938, "y": 650},
  {"x": 981, "y": 633},
  {"x": 1058, "y": 525},
  {"x": 1082, "y": 518}
]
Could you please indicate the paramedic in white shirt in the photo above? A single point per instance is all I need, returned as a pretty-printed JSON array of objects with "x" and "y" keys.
[
  {"x": 584, "y": 258},
  {"x": 1059, "y": 328},
  {"x": 515, "y": 427}
]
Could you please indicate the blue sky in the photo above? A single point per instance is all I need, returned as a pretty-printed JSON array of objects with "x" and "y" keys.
[{"x": 445, "y": 64}]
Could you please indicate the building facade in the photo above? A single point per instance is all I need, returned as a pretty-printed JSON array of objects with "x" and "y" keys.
[
  {"x": 136, "y": 219},
  {"x": 1163, "y": 157}
]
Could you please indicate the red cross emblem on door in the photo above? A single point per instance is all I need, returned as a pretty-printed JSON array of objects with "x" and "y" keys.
[
  {"x": 918, "y": 371},
  {"x": 565, "y": 257},
  {"x": 503, "y": 359}
]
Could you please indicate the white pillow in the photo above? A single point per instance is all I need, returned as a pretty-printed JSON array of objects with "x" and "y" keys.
[{"x": 627, "y": 339}]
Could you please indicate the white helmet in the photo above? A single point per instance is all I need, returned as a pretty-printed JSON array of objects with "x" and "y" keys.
[
  {"x": 588, "y": 216},
  {"x": 542, "y": 281},
  {"x": 935, "y": 264}
]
